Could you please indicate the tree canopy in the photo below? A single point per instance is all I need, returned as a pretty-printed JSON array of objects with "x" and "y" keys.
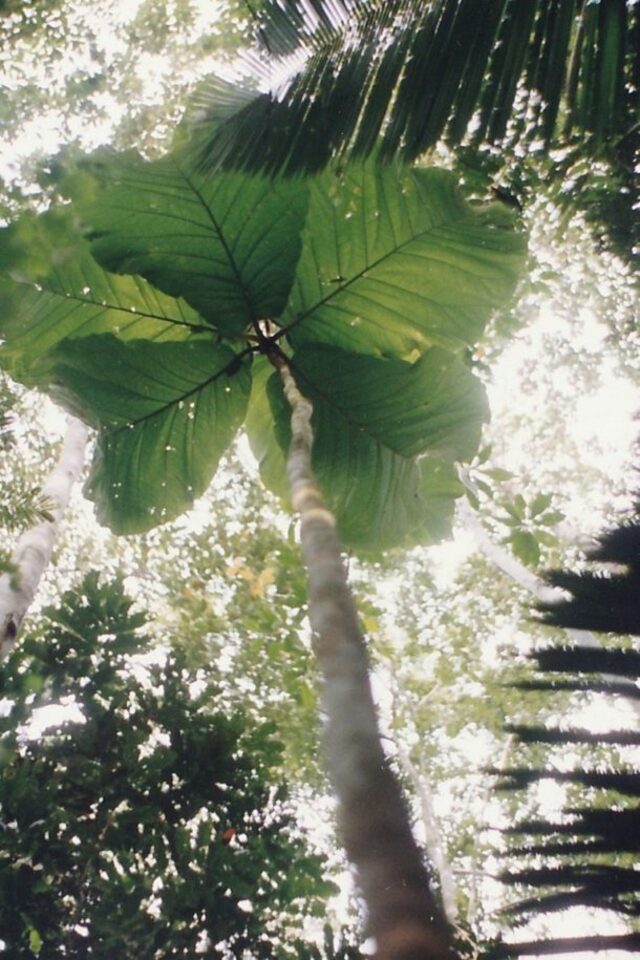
[{"x": 369, "y": 280}]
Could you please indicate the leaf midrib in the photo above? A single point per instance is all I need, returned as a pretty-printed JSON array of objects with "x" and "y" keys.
[
  {"x": 39, "y": 287},
  {"x": 357, "y": 276},
  {"x": 225, "y": 246}
]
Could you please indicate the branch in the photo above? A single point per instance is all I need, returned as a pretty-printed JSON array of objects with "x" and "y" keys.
[
  {"x": 35, "y": 547},
  {"x": 505, "y": 561},
  {"x": 402, "y": 913}
]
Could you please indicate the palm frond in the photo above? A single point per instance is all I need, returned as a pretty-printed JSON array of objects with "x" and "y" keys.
[
  {"x": 585, "y": 832},
  {"x": 629, "y": 942},
  {"x": 621, "y": 662},
  {"x": 530, "y": 734},
  {"x": 586, "y": 858},
  {"x": 623, "y": 782},
  {"x": 606, "y": 602},
  {"x": 404, "y": 74},
  {"x": 580, "y": 685}
]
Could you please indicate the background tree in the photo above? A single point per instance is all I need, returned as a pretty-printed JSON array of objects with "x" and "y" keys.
[
  {"x": 33, "y": 551},
  {"x": 144, "y": 804},
  {"x": 21, "y": 505}
]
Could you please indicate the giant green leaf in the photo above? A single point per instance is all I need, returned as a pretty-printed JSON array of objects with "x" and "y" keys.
[
  {"x": 229, "y": 244},
  {"x": 166, "y": 413},
  {"x": 51, "y": 289},
  {"x": 386, "y": 435},
  {"x": 395, "y": 260}
]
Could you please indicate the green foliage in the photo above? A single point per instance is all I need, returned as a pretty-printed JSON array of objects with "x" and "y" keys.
[
  {"x": 24, "y": 508},
  {"x": 235, "y": 598},
  {"x": 151, "y": 809},
  {"x": 529, "y": 525},
  {"x": 404, "y": 77},
  {"x": 62, "y": 293},
  {"x": 368, "y": 280},
  {"x": 392, "y": 262},
  {"x": 228, "y": 245},
  {"x": 364, "y": 443},
  {"x": 529, "y": 522},
  {"x": 169, "y": 411},
  {"x": 408, "y": 75},
  {"x": 21, "y": 501}
]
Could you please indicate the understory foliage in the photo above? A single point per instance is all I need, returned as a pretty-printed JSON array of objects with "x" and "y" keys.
[
  {"x": 146, "y": 823},
  {"x": 236, "y": 605}
]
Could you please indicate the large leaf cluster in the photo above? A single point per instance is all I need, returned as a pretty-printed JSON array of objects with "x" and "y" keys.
[
  {"x": 151, "y": 825},
  {"x": 148, "y": 320}
]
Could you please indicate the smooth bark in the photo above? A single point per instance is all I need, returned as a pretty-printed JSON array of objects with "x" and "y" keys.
[
  {"x": 403, "y": 915},
  {"x": 35, "y": 546}
]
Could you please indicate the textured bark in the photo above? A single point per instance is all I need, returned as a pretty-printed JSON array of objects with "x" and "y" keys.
[
  {"x": 34, "y": 548},
  {"x": 403, "y": 915}
]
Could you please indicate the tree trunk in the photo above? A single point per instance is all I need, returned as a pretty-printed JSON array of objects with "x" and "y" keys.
[
  {"x": 33, "y": 551},
  {"x": 403, "y": 915},
  {"x": 432, "y": 833}
]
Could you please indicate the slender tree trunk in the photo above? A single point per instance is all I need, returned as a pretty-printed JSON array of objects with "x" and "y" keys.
[
  {"x": 403, "y": 915},
  {"x": 432, "y": 833},
  {"x": 34, "y": 548}
]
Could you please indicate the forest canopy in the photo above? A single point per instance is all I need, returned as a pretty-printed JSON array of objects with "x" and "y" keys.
[{"x": 339, "y": 298}]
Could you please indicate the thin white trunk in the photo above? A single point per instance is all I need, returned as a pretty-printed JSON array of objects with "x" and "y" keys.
[
  {"x": 35, "y": 546},
  {"x": 474, "y": 874},
  {"x": 504, "y": 560},
  {"x": 432, "y": 833}
]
